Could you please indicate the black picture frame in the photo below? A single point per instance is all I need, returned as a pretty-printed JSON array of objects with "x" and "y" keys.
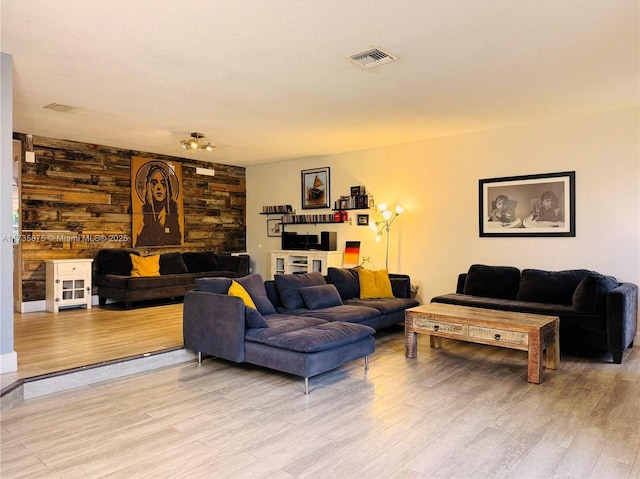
[
  {"x": 363, "y": 220},
  {"x": 274, "y": 227},
  {"x": 316, "y": 188},
  {"x": 528, "y": 206}
]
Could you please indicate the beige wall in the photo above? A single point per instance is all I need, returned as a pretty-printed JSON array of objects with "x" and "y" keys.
[{"x": 437, "y": 182}]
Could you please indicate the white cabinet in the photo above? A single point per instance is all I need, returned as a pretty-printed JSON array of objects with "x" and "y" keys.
[
  {"x": 68, "y": 283},
  {"x": 302, "y": 261}
]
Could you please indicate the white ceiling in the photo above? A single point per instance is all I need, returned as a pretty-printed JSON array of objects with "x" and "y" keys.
[{"x": 270, "y": 80}]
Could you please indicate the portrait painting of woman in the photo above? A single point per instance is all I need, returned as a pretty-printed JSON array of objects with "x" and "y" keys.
[{"x": 158, "y": 219}]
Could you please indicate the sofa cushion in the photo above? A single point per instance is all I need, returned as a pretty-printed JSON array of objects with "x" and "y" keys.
[
  {"x": 145, "y": 265},
  {"x": 322, "y": 296},
  {"x": 321, "y": 337},
  {"x": 136, "y": 283},
  {"x": 115, "y": 261},
  {"x": 553, "y": 287},
  {"x": 588, "y": 321},
  {"x": 254, "y": 284},
  {"x": 492, "y": 281},
  {"x": 288, "y": 286},
  {"x": 345, "y": 280},
  {"x": 198, "y": 262},
  {"x": 384, "y": 305},
  {"x": 214, "y": 285},
  {"x": 345, "y": 313},
  {"x": 374, "y": 284},
  {"x": 590, "y": 294},
  {"x": 238, "y": 290},
  {"x": 172, "y": 263},
  {"x": 253, "y": 318},
  {"x": 278, "y": 324}
]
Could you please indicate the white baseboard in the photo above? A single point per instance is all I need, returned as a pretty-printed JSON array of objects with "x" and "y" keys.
[
  {"x": 8, "y": 362},
  {"x": 34, "y": 306}
]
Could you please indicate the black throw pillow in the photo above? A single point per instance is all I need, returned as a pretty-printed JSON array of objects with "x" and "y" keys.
[
  {"x": 115, "y": 261},
  {"x": 499, "y": 282},
  {"x": 200, "y": 262},
  {"x": 172, "y": 263}
]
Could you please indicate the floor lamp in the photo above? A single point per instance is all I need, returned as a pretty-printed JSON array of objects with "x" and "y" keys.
[{"x": 384, "y": 225}]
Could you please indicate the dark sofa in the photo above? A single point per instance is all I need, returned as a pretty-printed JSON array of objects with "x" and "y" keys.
[
  {"x": 301, "y": 324},
  {"x": 178, "y": 274},
  {"x": 596, "y": 311}
]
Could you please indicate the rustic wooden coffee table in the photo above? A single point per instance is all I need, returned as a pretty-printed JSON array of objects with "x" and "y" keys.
[{"x": 533, "y": 333}]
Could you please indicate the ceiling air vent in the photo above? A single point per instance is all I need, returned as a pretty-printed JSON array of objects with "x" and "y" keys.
[
  {"x": 58, "y": 107},
  {"x": 372, "y": 58}
]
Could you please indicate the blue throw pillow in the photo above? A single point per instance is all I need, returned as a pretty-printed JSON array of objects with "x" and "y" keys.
[
  {"x": 288, "y": 286},
  {"x": 253, "y": 319},
  {"x": 322, "y": 296},
  {"x": 346, "y": 281},
  {"x": 254, "y": 284},
  {"x": 214, "y": 285}
]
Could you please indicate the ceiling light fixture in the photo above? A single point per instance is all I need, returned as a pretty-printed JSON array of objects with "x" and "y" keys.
[{"x": 197, "y": 142}]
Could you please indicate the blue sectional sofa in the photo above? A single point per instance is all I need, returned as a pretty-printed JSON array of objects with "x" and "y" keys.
[
  {"x": 302, "y": 324},
  {"x": 596, "y": 311}
]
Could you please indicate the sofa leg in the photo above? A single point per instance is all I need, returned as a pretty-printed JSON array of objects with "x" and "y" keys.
[
  {"x": 617, "y": 357},
  {"x": 306, "y": 385},
  {"x": 127, "y": 305},
  {"x": 102, "y": 300},
  {"x": 366, "y": 363},
  {"x": 199, "y": 357}
]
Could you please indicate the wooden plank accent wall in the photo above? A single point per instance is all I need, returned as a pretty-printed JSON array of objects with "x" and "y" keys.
[{"x": 76, "y": 200}]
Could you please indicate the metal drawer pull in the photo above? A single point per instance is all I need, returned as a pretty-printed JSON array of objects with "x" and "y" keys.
[
  {"x": 436, "y": 327},
  {"x": 497, "y": 336}
]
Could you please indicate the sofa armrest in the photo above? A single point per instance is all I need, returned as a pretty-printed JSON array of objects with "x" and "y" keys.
[
  {"x": 622, "y": 316},
  {"x": 214, "y": 324},
  {"x": 400, "y": 285},
  {"x": 462, "y": 277},
  {"x": 238, "y": 264}
]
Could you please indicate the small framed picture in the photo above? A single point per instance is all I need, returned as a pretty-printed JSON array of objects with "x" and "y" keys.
[
  {"x": 315, "y": 188},
  {"x": 363, "y": 220},
  {"x": 274, "y": 227},
  {"x": 357, "y": 190}
]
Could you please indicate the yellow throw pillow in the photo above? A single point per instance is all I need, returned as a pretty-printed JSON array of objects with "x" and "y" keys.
[
  {"x": 374, "y": 284},
  {"x": 368, "y": 287},
  {"x": 145, "y": 265},
  {"x": 236, "y": 289},
  {"x": 384, "y": 283}
]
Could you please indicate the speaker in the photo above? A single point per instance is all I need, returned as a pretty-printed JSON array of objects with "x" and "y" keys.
[
  {"x": 301, "y": 242},
  {"x": 328, "y": 241}
]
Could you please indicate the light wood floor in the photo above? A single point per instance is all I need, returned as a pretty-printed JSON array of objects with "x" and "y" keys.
[
  {"x": 50, "y": 342},
  {"x": 463, "y": 411}
]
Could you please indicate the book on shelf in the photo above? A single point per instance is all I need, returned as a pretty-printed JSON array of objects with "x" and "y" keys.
[
  {"x": 351, "y": 202},
  {"x": 320, "y": 218},
  {"x": 277, "y": 209}
]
